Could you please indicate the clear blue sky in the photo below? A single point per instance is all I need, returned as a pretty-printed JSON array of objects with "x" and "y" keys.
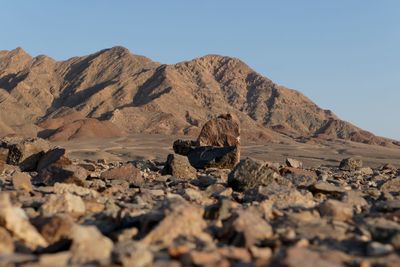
[{"x": 343, "y": 54}]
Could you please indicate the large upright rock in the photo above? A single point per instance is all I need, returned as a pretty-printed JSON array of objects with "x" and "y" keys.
[
  {"x": 24, "y": 153},
  {"x": 221, "y": 131}
]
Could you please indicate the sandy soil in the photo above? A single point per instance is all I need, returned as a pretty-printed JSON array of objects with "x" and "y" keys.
[{"x": 159, "y": 146}]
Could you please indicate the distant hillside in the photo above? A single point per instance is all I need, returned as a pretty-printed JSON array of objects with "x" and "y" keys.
[{"x": 115, "y": 92}]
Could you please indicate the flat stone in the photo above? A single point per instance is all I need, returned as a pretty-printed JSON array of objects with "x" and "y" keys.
[
  {"x": 179, "y": 166},
  {"x": 126, "y": 172},
  {"x": 377, "y": 249},
  {"x": 326, "y": 188}
]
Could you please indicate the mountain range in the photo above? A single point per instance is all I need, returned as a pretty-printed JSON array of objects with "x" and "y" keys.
[{"x": 114, "y": 93}]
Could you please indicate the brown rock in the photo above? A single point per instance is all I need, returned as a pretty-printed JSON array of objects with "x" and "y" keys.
[
  {"x": 3, "y": 158},
  {"x": 190, "y": 223},
  {"x": 351, "y": 164},
  {"x": 25, "y": 153},
  {"x": 63, "y": 203},
  {"x": 392, "y": 185},
  {"x": 336, "y": 209},
  {"x": 293, "y": 163},
  {"x": 52, "y": 156},
  {"x": 60, "y": 173},
  {"x": 249, "y": 174},
  {"x": 6, "y": 242},
  {"x": 221, "y": 131},
  {"x": 245, "y": 228},
  {"x": 56, "y": 228},
  {"x": 15, "y": 221},
  {"x": 60, "y": 188},
  {"x": 126, "y": 172},
  {"x": 179, "y": 166},
  {"x": 21, "y": 181},
  {"x": 89, "y": 246}
]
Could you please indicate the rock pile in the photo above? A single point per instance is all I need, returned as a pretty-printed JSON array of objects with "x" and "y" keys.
[{"x": 65, "y": 212}]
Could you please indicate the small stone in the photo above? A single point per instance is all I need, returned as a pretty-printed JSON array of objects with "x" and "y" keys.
[
  {"x": 336, "y": 210},
  {"x": 249, "y": 174},
  {"x": 351, "y": 164},
  {"x": 126, "y": 172},
  {"x": 179, "y": 166},
  {"x": 60, "y": 188},
  {"x": 395, "y": 241},
  {"x": 392, "y": 185},
  {"x": 377, "y": 249},
  {"x": 89, "y": 246},
  {"x": 22, "y": 181},
  {"x": 190, "y": 223},
  {"x": 63, "y": 203},
  {"x": 367, "y": 171},
  {"x": 294, "y": 163},
  {"x": 132, "y": 253}
]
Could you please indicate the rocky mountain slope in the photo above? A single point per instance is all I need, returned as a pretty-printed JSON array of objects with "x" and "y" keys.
[{"x": 124, "y": 93}]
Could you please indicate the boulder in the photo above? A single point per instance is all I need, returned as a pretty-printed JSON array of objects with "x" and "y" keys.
[
  {"x": 179, "y": 166},
  {"x": 222, "y": 131},
  {"x": 16, "y": 222},
  {"x": 52, "y": 156},
  {"x": 24, "y": 153},
  {"x": 126, "y": 172},
  {"x": 250, "y": 174},
  {"x": 351, "y": 164},
  {"x": 214, "y": 157}
]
